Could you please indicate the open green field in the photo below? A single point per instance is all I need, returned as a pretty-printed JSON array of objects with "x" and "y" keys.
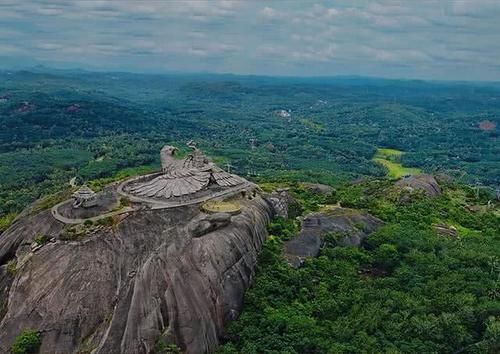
[
  {"x": 389, "y": 153},
  {"x": 389, "y": 158},
  {"x": 397, "y": 170}
]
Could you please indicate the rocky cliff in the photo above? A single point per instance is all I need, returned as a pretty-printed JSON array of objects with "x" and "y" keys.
[{"x": 170, "y": 275}]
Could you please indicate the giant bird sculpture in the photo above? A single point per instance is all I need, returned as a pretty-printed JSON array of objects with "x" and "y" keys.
[{"x": 184, "y": 177}]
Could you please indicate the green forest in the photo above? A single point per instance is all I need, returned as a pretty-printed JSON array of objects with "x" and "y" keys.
[
  {"x": 407, "y": 289},
  {"x": 58, "y": 125}
]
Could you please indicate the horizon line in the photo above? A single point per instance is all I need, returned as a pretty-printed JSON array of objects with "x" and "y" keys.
[{"x": 43, "y": 68}]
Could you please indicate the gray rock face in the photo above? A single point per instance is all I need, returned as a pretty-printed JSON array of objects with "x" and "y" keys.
[
  {"x": 284, "y": 204},
  {"x": 445, "y": 230},
  {"x": 153, "y": 274},
  {"x": 319, "y": 188},
  {"x": 207, "y": 223},
  {"x": 353, "y": 225},
  {"x": 426, "y": 183}
]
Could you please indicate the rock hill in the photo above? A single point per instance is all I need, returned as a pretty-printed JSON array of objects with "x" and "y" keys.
[
  {"x": 121, "y": 285},
  {"x": 140, "y": 264}
]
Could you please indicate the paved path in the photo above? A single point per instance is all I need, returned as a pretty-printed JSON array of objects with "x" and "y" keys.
[
  {"x": 59, "y": 217},
  {"x": 153, "y": 204}
]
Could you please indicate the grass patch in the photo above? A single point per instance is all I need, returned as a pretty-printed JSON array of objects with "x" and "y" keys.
[
  {"x": 213, "y": 206},
  {"x": 12, "y": 267},
  {"x": 107, "y": 221},
  {"x": 390, "y": 159},
  {"x": 88, "y": 228},
  {"x": 316, "y": 127},
  {"x": 6, "y": 220},
  {"x": 269, "y": 187},
  {"x": 397, "y": 170},
  {"x": 389, "y": 153},
  {"x": 51, "y": 200}
]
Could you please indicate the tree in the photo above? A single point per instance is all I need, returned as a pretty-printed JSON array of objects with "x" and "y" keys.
[{"x": 27, "y": 342}]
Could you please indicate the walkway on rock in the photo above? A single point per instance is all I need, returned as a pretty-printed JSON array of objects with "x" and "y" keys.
[
  {"x": 154, "y": 205},
  {"x": 74, "y": 221}
]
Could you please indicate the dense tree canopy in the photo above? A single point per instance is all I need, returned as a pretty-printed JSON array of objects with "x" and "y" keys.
[
  {"x": 406, "y": 290},
  {"x": 54, "y": 126}
]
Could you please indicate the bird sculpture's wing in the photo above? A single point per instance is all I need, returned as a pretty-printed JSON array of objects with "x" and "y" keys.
[
  {"x": 173, "y": 184},
  {"x": 224, "y": 179}
]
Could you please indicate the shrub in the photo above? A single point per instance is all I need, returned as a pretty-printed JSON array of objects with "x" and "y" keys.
[
  {"x": 125, "y": 202},
  {"x": 286, "y": 228},
  {"x": 107, "y": 221},
  {"x": 12, "y": 267},
  {"x": 51, "y": 200},
  {"x": 386, "y": 256},
  {"x": 6, "y": 220},
  {"x": 88, "y": 223},
  {"x": 161, "y": 347},
  {"x": 41, "y": 239},
  {"x": 27, "y": 342}
]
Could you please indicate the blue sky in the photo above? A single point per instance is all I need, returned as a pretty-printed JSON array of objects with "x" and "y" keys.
[{"x": 440, "y": 39}]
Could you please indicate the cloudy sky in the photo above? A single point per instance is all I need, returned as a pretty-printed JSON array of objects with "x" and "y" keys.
[{"x": 440, "y": 39}]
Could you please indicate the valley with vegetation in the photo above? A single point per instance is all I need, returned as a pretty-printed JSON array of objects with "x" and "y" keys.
[{"x": 391, "y": 186}]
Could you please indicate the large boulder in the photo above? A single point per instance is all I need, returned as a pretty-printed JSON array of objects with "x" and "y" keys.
[
  {"x": 352, "y": 226},
  {"x": 424, "y": 182},
  {"x": 318, "y": 188},
  {"x": 446, "y": 230},
  {"x": 204, "y": 224},
  {"x": 284, "y": 204}
]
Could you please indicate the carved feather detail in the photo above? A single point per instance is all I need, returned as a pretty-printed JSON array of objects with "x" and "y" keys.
[
  {"x": 225, "y": 179},
  {"x": 174, "y": 184},
  {"x": 186, "y": 177}
]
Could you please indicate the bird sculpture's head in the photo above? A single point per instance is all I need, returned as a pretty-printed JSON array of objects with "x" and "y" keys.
[
  {"x": 169, "y": 150},
  {"x": 191, "y": 144}
]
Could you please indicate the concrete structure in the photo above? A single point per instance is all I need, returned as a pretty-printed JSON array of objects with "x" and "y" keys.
[
  {"x": 181, "y": 182},
  {"x": 84, "y": 197}
]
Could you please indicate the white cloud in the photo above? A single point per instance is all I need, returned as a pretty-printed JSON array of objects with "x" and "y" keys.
[
  {"x": 480, "y": 8},
  {"x": 49, "y": 46},
  {"x": 291, "y": 37},
  {"x": 269, "y": 13},
  {"x": 9, "y": 49}
]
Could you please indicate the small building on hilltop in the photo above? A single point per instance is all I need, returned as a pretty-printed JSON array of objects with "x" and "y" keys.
[{"x": 84, "y": 197}]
